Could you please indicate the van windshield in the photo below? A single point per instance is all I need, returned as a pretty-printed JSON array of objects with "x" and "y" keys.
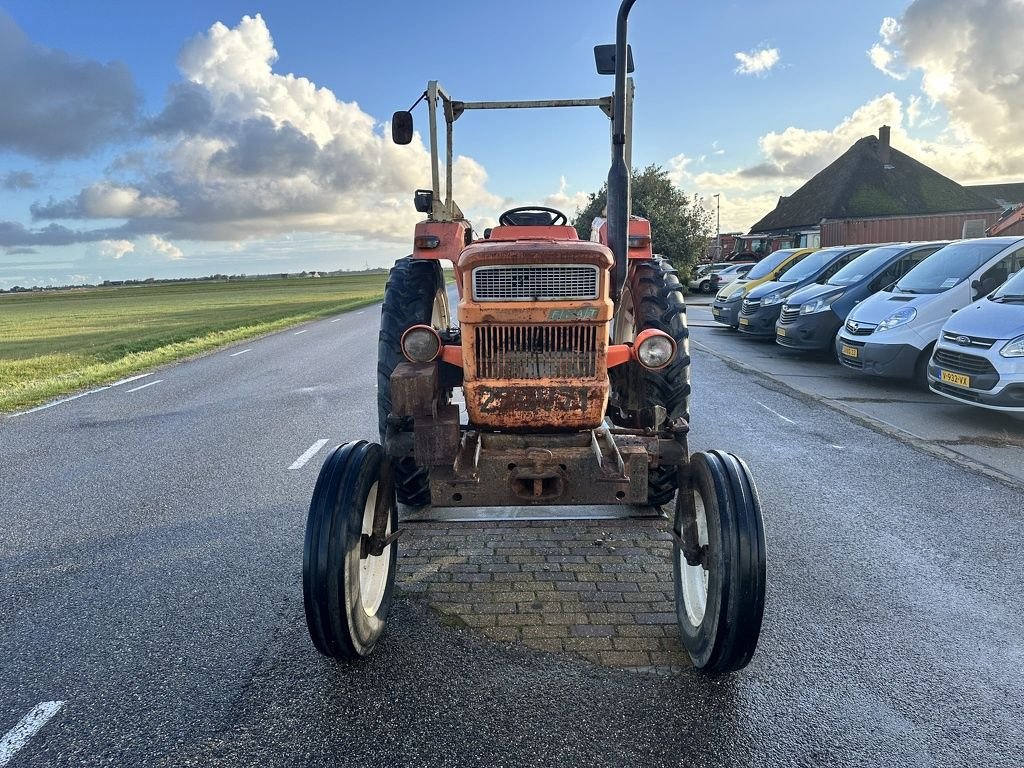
[
  {"x": 810, "y": 266},
  {"x": 767, "y": 265},
  {"x": 1012, "y": 290},
  {"x": 865, "y": 265},
  {"x": 948, "y": 266}
]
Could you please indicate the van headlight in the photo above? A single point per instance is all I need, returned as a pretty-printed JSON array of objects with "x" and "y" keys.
[
  {"x": 1014, "y": 348},
  {"x": 819, "y": 304},
  {"x": 896, "y": 319},
  {"x": 772, "y": 298}
]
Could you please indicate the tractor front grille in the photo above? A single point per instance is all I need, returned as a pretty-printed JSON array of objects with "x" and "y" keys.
[
  {"x": 540, "y": 282},
  {"x": 536, "y": 351}
]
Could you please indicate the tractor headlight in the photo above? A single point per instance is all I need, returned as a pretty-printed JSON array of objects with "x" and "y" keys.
[
  {"x": 897, "y": 318},
  {"x": 655, "y": 349},
  {"x": 1013, "y": 348},
  {"x": 421, "y": 344}
]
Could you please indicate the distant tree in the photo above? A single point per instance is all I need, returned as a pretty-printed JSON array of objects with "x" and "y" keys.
[{"x": 679, "y": 225}]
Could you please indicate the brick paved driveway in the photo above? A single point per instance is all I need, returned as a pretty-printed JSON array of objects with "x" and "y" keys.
[{"x": 597, "y": 589}]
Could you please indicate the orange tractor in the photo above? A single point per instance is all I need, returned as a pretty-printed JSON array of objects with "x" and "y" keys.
[{"x": 573, "y": 360}]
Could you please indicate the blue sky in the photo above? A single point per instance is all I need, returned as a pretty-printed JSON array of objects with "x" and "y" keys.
[{"x": 144, "y": 139}]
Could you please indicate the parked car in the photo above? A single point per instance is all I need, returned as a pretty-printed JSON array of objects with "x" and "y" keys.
[
  {"x": 729, "y": 275},
  {"x": 763, "y": 304},
  {"x": 893, "y": 332},
  {"x": 702, "y": 276},
  {"x": 726, "y": 307},
  {"x": 812, "y": 316},
  {"x": 979, "y": 356}
]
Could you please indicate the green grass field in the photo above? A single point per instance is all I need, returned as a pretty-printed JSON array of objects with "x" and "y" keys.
[{"x": 59, "y": 342}]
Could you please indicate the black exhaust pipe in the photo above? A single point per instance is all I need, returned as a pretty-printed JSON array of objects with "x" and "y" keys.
[{"x": 618, "y": 174}]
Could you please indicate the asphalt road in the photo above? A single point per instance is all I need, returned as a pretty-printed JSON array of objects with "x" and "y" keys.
[{"x": 150, "y": 558}]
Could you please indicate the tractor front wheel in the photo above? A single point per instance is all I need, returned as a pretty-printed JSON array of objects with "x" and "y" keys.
[
  {"x": 720, "y": 600},
  {"x": 346, "y": 590}
]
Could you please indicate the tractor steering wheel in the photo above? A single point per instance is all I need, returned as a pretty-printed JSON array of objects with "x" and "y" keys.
[{"x": 509, "y": 218}]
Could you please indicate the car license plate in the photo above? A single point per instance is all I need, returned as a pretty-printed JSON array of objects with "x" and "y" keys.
[
  {"x": 780, "y": 331},
  {"x": 716, "y": 311},
  {"x": 955, "y": 378},
  {"x": 849, "y": 351},
  {"x": 744, "y": 321}
]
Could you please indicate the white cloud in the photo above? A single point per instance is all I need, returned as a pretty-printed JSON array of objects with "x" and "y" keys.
[
  {"x": 116, "y": 249},
  {"x": 566, "y": 202},
  {"x": 757, "y": 62},
  {"x": 161, "y": 246},
  {"x": 882, "y": 59},
  {"x": 969, "y": 58},
  {"x": 889, "y": 30},
  {"x": 106, "y": 200},
  {"x": 792, "y": 156},
  {"x": 244, "y": 152}
]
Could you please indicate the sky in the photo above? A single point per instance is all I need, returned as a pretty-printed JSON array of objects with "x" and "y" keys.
[{"x": 184, "y": 139}]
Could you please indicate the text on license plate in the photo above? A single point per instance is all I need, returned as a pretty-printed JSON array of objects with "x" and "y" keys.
[
  {"x": 716, "y": 311},
  {"x": 780, "y": 331},
  {"x": 744, "y": 321},
  {"x": 849, "y": 351},
  {"x": 955, "y": 378}
]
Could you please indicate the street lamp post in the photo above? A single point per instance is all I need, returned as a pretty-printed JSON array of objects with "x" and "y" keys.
[{"x": 718, "y": 226}]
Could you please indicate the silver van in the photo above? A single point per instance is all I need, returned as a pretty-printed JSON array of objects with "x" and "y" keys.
[{"x": 979, "y": 357}]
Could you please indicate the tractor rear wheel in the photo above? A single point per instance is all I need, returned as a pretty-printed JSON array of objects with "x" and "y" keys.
[
  {"x": 653, "y": 298},
  {"x": 720, "y": 601},
  {"x": 414, "y": 295},
  {"x": 346, "y": 591}
]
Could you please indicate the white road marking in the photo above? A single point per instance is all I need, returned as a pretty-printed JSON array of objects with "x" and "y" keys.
[
  {"x": 360, "y": 312},
  {"x": 27, "y": 727},
  {"x": 130, "y": 378},
  {"x": 58, "y": 402},
  {"x": 775, "y": 412},
  {"x": 309, "y": 454},
  {"x": 302, "y": 331},
  {"x": 236, "y": 354},
  {"x": 150, "y": 384},
  {"x": 335, "y": 319},
  {"x": 837, "y": 447}
]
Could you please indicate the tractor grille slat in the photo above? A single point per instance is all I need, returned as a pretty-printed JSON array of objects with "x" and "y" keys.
[
  {"x": 545, "y": 282},
  {"x": 536, "y": 351}
]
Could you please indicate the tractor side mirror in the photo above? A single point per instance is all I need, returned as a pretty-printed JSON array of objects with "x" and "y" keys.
[
  {"x": 604, "y": 57},
  {"x": 401, "y": 127},
  {"x": 424, "y": 201}
]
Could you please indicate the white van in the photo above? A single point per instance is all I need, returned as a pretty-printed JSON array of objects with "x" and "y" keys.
[{"x": 892, "y": 333}]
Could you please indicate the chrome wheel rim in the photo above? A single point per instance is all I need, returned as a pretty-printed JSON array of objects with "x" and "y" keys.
[
  {"x": 373, "y": 571},
  {"x": 694, "y": 578}
]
